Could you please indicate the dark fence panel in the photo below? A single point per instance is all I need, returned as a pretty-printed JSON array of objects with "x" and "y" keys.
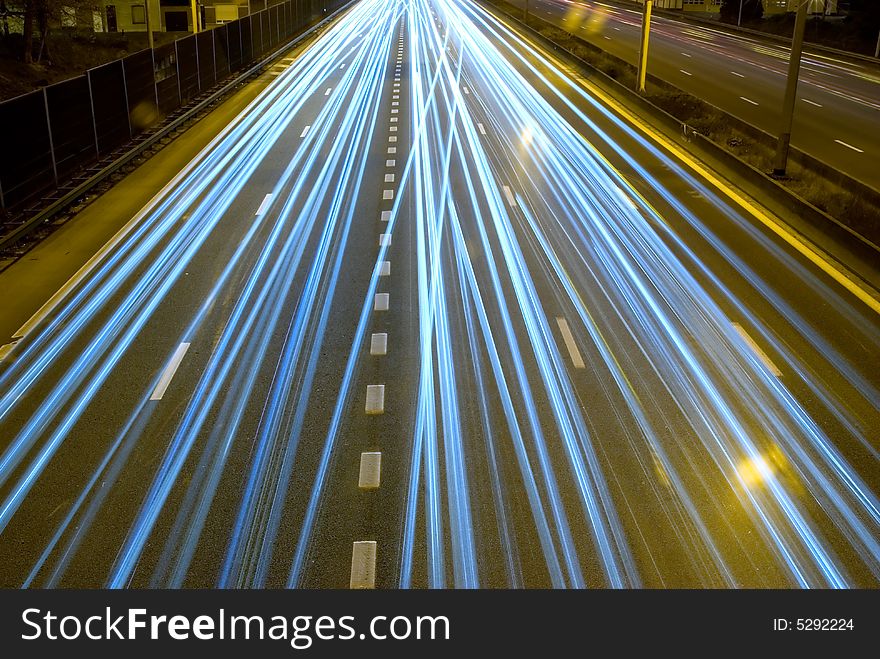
[
  {"x": 266, "y": 30},
  {"x": 187, "y": 68},
  {"x": 247, "y": 50},
  {"x": 109, "y": 105},
  {"x": 284, "y": 19},
  {"x": 205, "y": 44},
  {"x": 274, "y": 14},
  {"x": 235, "y": 58},
  {"x": 221, "y": 51},
  {"x": 70, "y": 123},
  {"x": 94, "y": 114},
  {"x": 256, "y": 34},
  {"x": 140, "y": 86},
  {"x": 167, "y": 88},
  {"x": 26, "y": 166}
]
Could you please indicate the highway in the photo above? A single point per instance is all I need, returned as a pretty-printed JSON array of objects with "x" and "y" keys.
[
  {"x": 432, "y": 311},
  {"x": 838, "y": 104}
]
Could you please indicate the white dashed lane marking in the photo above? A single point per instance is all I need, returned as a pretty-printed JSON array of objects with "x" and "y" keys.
[{"x": 168, "y": 373}]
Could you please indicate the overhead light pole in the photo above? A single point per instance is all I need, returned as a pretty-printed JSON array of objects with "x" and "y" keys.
[
  {"x": 643, "y": 51},
  {"x": 794, "y": 67},
  {"x": 739, "y": 18},
  {"x": 149, "y": 25}
]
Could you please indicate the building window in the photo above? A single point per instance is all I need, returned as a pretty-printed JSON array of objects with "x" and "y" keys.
[{"x": 138, "y": 15}]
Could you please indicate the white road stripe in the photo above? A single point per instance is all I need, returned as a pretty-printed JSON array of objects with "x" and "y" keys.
[
  {"x": 380, "y": 302},
  {"x": 390, "y": 163},
  {"x": 379, "y": 344},
  {"x": 389, "y": 178},
  {"x": 757, "y": 350},
  {"x": 305, "y": 131},
  {"x": 363, "y": 564},
  {"x": 329, "y": 89},
  {"x": 370, "y": 473},
  {"x": 687, "y": 73},
  {"x": 481, "y": 129},
  {"x": 384, "y": 240},
  {"x": 738, "y": 75},
  {"x": 567, "y": 336},
  {"x": 687, "y": 54},
  {"x": 264, "y": 205},
  {"x": 806, "y": 100},
  {"x": 510, "y": 198},
  {"x": 849, "y": 146},
  {"x": 375, "y": 399},
  {"x": 748, "y": 100},
  {"x": 392, "y": 149},
  {"x": 169, "y": 372},
  {"x": 388, "y": 194},
  {"x": 385, "y": 268},
  {"x": 386, "y": 216}
]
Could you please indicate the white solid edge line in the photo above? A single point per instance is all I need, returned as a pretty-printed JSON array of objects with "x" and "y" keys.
[
  {"x": 570, "y": 344},
  {"x": 169, "y": 372},
  {"x": 757, "y": 350},
  {"x": 264, "y": 205}
]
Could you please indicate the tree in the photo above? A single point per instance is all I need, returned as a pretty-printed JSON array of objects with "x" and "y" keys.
[
  {"x": 752, "y": 10},
  {"x": 41, "y": 14}
]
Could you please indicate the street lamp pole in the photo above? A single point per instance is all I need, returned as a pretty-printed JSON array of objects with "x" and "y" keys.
[
  {"x": 149, "y": 25},
  {"x": 739, "y": 19},
  {"x": 643, "y": 52},
  {"x": 195, "y": 16},
  {"x": 794, "y": 66},
  {"x": 877, "y": 49}
]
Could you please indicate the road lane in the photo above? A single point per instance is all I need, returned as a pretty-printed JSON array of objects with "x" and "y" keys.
[
  {"x": 745, "y": 76},
  {"x": 583, "y": 362}
]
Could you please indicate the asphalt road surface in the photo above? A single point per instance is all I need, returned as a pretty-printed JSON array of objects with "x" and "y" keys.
[
  {"x": 837, "y": 114},
  {"x": 432, "y": 311}
]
